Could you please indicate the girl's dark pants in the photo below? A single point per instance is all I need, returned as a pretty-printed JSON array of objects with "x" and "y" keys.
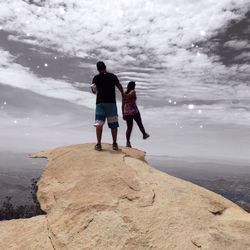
[{"x": 129, "y": 120}]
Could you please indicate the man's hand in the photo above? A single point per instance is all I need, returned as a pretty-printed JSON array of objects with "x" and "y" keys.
[{"x": 93, "y": 88}]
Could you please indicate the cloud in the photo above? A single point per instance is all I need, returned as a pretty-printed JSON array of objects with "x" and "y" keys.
[
  {"x": 243, "y": 56},
  {"x": 18, "y": 76},
  {"x": 129, "y": 32},
  {"x": 152, "y": 42},
  {"x": 236, "y": 44}
]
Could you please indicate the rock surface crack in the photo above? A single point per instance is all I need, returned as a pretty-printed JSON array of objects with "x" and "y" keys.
[
  {"x": 218, "y": 212},
  {"x": 88, "y": 223},
  {"x": 196, "y": 244},
  {"x": 48, "y": 231}
]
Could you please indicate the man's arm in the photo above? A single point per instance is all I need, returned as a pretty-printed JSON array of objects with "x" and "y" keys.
[
  {"x": 93, "y": 86},
  {"x": 119, "y": 86}
]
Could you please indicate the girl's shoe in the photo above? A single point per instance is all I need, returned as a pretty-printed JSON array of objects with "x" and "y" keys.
[
  {"x": 145, "y": 136},
  {"x": 98, "y": 147},
  {"x": 128, "y": 145}
]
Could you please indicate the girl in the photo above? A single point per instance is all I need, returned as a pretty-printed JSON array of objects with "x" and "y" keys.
[{"x": 130, "y": 112}]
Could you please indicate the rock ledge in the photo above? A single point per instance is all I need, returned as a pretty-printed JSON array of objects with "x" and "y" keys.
[{"x": 115, "y": 200}]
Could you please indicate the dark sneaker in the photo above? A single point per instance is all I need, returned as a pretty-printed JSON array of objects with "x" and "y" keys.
[
  {"x": 145, "y": 136},
  {"x": 98, "y": 147},
  {"x": 115, "y": 146},
  {"x": 128, "y": 145}
]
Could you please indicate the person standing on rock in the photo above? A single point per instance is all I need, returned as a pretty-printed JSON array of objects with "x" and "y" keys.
[
  {"x": 103, "y": 85},
  {"x": 131, "y": 112}
]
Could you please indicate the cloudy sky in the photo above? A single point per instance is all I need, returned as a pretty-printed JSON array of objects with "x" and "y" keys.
[{"x": 190, "y": 60}]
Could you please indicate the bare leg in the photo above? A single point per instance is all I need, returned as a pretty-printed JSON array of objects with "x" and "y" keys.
[
  {"x": 99, "y": 134},
  {"x": 114, "y": 134}
]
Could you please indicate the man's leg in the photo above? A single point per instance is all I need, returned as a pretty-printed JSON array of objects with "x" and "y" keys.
[
  {"x": 99, "y": 134},
  {"x": 114, "y": 134},
  {"x": 99, "y": 121},
  {"x": 112, "y": 118}
]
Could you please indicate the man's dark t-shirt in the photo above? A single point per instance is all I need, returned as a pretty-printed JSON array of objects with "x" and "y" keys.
[{"x": 105, "y": 84}]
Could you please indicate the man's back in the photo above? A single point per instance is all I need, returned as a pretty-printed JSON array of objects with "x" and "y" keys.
[
  {"x": 106, "y": 107},
  {"x": 105, "y": 84}
]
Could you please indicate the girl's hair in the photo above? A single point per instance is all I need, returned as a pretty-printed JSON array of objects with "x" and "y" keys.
[{"x": 131, "y": 86}]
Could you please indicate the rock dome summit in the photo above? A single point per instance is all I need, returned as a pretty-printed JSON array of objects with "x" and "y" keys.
[{"x": 116, "y": 201}]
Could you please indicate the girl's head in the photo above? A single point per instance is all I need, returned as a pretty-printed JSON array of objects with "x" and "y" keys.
[{"x": 131, "y": 86}]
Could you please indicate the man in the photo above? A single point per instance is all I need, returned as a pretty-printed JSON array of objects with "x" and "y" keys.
[{"x": 104, "y": 85}]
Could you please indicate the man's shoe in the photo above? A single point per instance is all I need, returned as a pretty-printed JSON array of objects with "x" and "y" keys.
[
  {"x": 145, "y": 136},
  {"x": 115, "y": 146},
  {"x": 128, "y": 145},
  {"x": 98, "y": 147}
]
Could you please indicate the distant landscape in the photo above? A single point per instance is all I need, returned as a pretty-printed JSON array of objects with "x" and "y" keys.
[
  {"x": 237, "y": 189},
  {"x": 227, "y": 179},
  {"x": 19, "y": 173},
  {"x": 18, "y": 178}
]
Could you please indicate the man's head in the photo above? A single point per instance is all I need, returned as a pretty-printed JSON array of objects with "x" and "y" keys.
[{"x": 101, "y": 67}]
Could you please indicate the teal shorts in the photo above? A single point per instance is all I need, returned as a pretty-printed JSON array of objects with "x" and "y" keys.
[{"x": 109, "y": 111}]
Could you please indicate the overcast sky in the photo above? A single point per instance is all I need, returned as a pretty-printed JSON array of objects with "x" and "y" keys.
[{"x": 190, "y": 59}]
